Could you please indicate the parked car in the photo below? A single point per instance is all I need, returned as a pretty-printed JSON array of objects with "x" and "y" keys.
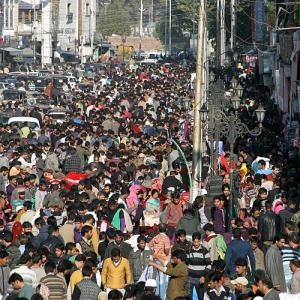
[
  {"x": 59, "y": 115},
  {"x": 33, "y": 123}
]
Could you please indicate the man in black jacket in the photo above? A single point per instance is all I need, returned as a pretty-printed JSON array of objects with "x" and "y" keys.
[
  {"x": 286, "y": 214},
  {"x": 53, "y": 240},
  {"x": 139, "y": 258},
  {"x": 171, "y": 182},
  {"x": 118, "y": 242},
  {"x": 268, "y": 225}
]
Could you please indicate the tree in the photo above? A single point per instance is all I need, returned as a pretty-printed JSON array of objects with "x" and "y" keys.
[
  {"x": 185, "y": 12},
  {"x": 115, "y": 20}
]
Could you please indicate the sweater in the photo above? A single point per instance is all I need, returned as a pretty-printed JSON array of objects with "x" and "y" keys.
[
  {"x": 56, "y": 285},
  {"x": 86, "y": 289},
  {"x": 116, "y": 277},
  {"x": 198, "y": 262}
]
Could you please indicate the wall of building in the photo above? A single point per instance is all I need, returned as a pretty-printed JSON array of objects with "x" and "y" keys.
[{"x": 68, "y": 24}]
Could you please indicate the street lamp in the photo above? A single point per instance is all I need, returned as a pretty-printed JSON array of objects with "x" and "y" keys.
[
  {"x": 234, "y": 83},
  {"x": 239, "y": 90},
  {"x": 230, "y": 127},
  {"x": 236, "y": 102},
  {"x": 212, "y": 76},
  {"x": 203, "y": 113},
  {"x": 186, "y": 103},
  {"x": 260, "y": 114},
  {"x": 235, "y": 55}
]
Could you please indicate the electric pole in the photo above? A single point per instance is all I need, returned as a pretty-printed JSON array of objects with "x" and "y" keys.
[
  {"x": 166, "y": 26},
  {"x": 197, "y": 134},
  {"x": 218, "y": 34},
  {"x": 222, "y": 32},
  {"x": 233, "y": 24},
  {"x": 141, "y": 27},
  {"x": 170, "y": 27},
  {"x": 193, "y": 28}
]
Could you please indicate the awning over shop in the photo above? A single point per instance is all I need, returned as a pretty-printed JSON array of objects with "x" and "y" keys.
[
  {"x": 12, "y": 51},
  {"x": 26, "y": 5}
]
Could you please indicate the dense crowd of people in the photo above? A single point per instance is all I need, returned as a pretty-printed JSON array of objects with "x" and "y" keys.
[{"x": 98, "y": 207}]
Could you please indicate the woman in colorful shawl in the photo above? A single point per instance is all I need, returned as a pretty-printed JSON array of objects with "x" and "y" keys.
[{"x": 152, "y": 211}]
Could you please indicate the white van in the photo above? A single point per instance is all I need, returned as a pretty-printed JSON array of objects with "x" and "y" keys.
[{"x": 33, "y": 123}]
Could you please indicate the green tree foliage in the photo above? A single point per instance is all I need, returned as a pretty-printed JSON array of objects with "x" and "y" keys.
[
  {"x": 185, "y": 11},
  {"x": 115, "y": 19}
]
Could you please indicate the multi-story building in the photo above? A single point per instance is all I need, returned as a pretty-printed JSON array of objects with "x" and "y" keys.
[
  {"x": 29, "y": 24},
  {"x": 10, "y": 19},
  {"x": 77, "y": 26}
]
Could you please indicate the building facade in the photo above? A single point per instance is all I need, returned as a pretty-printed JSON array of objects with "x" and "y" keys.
[{"x": 77, "y": 26}]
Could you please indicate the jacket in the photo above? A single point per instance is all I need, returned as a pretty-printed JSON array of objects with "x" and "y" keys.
[
  {"x": 53, "y": 199},
  {"x": 268, "y": 226},
  {"x": 4, "y": 276},
  {"x": 51, "y": 242},
  {"x": 274, "y": 267},
  {"x": 14, "y": 255},
  {"x": 52, "y": 162},
  {"x": 286, "y": 215},
  {"x": 177, "y": 282},
  {"x": 189, "y": 223},
  {"x": 41, "y": 237},
  {"x": 125, "y": 249},
  {"x": 67, "y": 232},
  {"x": 238, "y": 249},
  {"x": 171, "y": 181},
  {"x": 272, "y": 295},
  {"x": 138, "y": 261},
  {"x": 296, "y": 220},
  {"x": 259, "y": 259}
]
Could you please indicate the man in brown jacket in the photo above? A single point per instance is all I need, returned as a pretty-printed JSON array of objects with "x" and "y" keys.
[{"x": 178, "y": 272}]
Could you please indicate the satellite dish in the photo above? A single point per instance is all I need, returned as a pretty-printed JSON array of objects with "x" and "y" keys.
[{"x": 31, "y": 102}]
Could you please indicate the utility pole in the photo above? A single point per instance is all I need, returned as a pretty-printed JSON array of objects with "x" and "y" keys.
[
  {"x": 197, "y": 134},
  {"x": 92, "y": 25},
  {"x": 81, "y": 43},
  {"x": 193, "y": 28},
  {"x": 170, "y": 27},
  {"x": 218, "y": 34},
  {"x": 33, "y": 33},
  {"x": 166, "y": 26},
  {"x": 233, "y": 24},
  {"x": 222, "y": 32},
  {"x": 151, "y": 17},
  {"x": 141, "y": 27}
]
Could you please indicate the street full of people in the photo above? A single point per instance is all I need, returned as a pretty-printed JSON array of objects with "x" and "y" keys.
[{"x": 98, "y": 206}]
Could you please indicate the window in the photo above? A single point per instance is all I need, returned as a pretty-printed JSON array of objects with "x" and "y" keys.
[
  {"x": 30, "y": 17},
  {"x": 22, "y": 17},
  {"x": 6, "y": 17},
  {"x": 69, "y": 14},
  {"x": 87, "y": 10},
  {"x": 11, "y": 17}
]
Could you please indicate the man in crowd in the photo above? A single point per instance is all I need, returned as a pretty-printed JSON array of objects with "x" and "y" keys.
[
  {"x": 116, "y": 273},
  {"x": 274, "y": 264},
  {"x": 90, "y": 176},
  {"x": 139, "y": 258}
]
